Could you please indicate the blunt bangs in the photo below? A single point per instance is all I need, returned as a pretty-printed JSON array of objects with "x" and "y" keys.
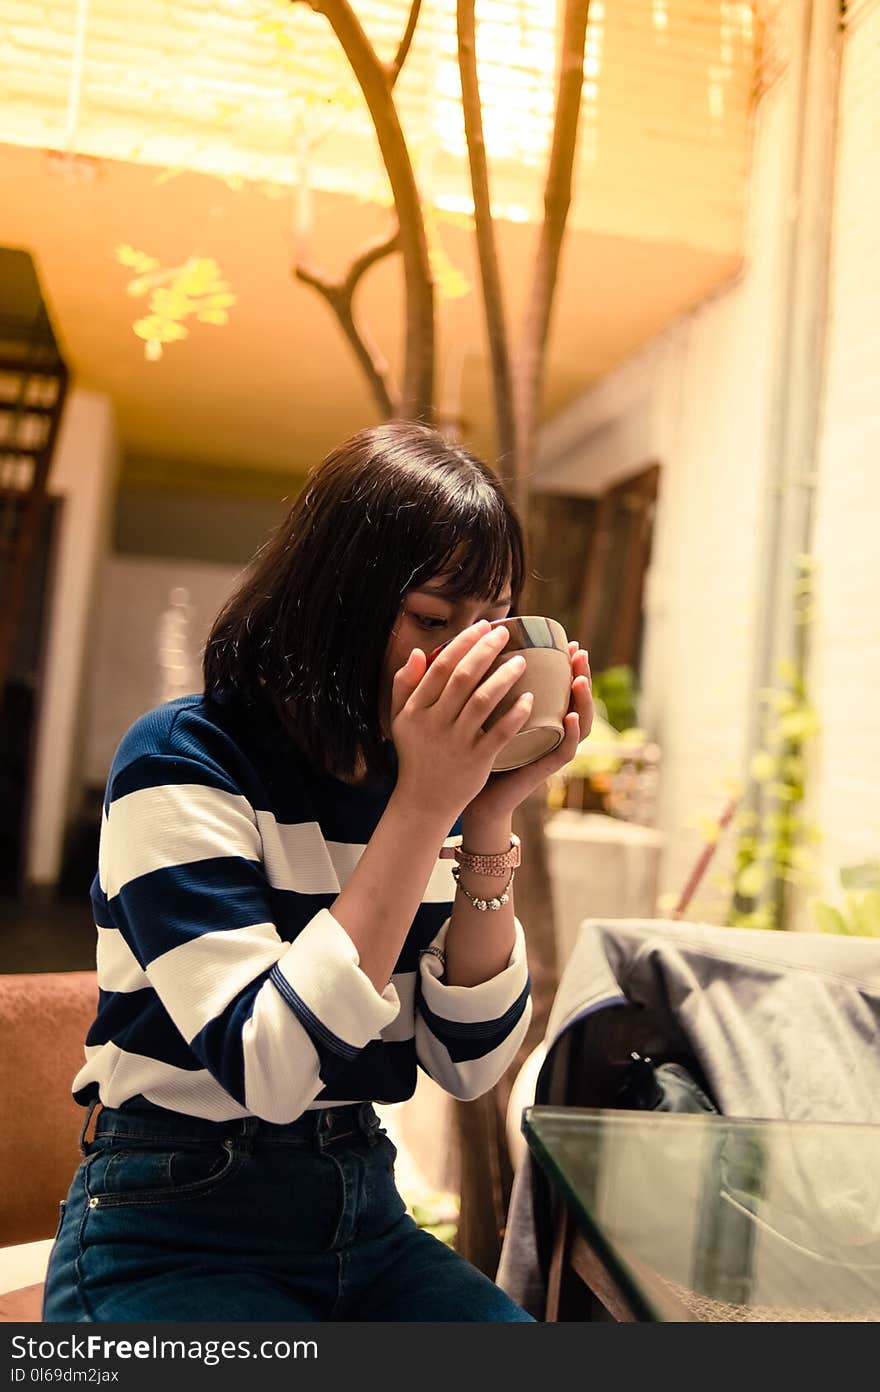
[{"x": 305, "y": 635}]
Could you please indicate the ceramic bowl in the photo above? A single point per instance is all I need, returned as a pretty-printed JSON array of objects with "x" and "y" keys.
[{"x": 547, "y": 673}]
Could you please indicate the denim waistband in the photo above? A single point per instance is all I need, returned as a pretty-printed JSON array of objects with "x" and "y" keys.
[{"x": 138, "y": 1119}]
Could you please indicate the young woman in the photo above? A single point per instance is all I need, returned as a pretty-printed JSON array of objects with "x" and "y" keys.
[{"x": 280, "y": 938}]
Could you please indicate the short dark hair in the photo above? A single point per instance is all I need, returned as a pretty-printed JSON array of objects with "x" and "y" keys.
[{"x": 303, "y": 638}]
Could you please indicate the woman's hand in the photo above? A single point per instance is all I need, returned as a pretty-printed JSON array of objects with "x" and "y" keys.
[
  {"x": 505, "y": 791},
  {"x": 437, "y": 716}
]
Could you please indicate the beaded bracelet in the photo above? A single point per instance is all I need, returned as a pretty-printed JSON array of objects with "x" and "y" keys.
[{"x": 482, "y": 904}]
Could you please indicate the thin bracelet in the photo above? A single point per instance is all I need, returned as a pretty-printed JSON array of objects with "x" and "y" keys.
[{"x": 482, "y": 904}]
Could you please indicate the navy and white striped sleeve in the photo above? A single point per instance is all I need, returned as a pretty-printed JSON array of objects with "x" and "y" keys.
[
  {"x": 181, "y": 864},
  {"x": 468, "y": 1036}
]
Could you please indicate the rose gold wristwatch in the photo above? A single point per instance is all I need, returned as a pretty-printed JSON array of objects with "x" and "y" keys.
[{"x": 497, "y": 864}]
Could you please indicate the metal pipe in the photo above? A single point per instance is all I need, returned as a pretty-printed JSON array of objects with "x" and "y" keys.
[{"x": 795, "y": 416}]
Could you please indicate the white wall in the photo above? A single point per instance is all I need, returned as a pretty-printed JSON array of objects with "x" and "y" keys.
[
  {"x": 697, "y": 400},
  {"x": 845, "y": 672},
  {"x": 84, "y": 473},
  {"x": 124, "y": 668}
]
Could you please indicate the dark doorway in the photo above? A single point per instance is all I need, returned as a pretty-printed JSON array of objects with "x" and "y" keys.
[
  {"x": 20, "y": 701},
  {"x": 591, "y": 556},
  {"x": 611, "y": 617}
]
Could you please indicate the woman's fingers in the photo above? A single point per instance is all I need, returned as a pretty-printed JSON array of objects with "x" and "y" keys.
[
  {"x": 490, "y": 691},
  {"x": 455, "y": 673},
  {"x": 433, "y": 683},
  {"x": 406, "y": 679},
  {"x": 512, "y": 721}
]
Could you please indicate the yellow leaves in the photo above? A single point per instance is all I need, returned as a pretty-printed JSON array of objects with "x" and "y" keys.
[
  {"x": 763, "y": 766},
  {"x": 799, "y": 724},
  {"x": 162, "y": 330},
  {"x": 751, "y": 880},
  {"x": 864, "y": 913},
  {"x": 199, "y": 276},
  {"x": 633, "y": 735},
  {"x": 826, "y": 918},
  {"x": 707, "y": 826},
  {"x": 168, "y": 174},
  {"x": 277, "y": 30},
  {"x": 195, "y": 288},
  {"x": 860, "y": 916},
  {"x": 135, "y": 260},
  {"x": 452, "y": 284},
  {"x": 709, "y": 830}
]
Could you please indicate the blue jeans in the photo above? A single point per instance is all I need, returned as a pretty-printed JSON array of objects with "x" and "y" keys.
[{"x": 172, "y": 1217}]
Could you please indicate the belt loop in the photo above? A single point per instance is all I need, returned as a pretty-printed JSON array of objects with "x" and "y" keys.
[
  {"x": 323, "y": 1127},
  {"x": 369, "y": 1122},
  {"x": 247, "y": 1131},
  {"x": 95, "y": 1102}
]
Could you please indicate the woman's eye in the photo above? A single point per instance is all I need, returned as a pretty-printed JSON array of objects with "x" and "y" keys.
[{"x": 424, "y": 622}]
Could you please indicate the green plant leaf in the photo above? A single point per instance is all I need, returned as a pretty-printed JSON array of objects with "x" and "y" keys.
[
  {"x": 782, "y": 700},
  {"x": 751, "y": 881},
  {"x": 864, "y": 876},
  {"x": 827, "y": 918},
  {"x": 866, "y": 914},
  {"x": 709, "y": 830},
  {"x": 785, "y": 792},
  {"x": 788, "y": 672},
  {"x": 799, "y": 724},
  {"x": 763, "y": 766}
]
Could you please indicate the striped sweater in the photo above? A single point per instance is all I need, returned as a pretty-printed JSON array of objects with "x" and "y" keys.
[{"x": 226, "y": 986}]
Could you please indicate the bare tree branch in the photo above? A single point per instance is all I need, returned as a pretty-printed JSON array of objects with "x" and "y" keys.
[
  {"x": 371, "y": 253},
  {"x": 417, "y": 392},
  {"x": 493, "y": 300},
  {"x": 393, "y": 68},
  {"x": 339, "y": 294},
  {"x": 557, "y": 198}
]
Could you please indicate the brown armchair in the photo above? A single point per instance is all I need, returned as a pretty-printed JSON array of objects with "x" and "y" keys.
[{"x": 44, "y": 1019}]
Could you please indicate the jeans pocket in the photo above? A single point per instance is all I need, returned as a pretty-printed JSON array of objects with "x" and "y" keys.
[{"x": 123, "y": 1174}]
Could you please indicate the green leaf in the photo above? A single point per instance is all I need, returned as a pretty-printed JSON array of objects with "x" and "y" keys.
[
  {"x": 864, "y": 876},
  {"x": 785, "y": 792},
  {"x": 763, "y": 766},
  {"x": 788, "y": 672},
  {"x": 751, "y": 881},
  {"x": 709, "y": 830},
  {"x": 159, "y": 330},
  {"x": 782, "y": 700},
  {"x": 827, "y": 918},
  {"x": 866, "y": 915},
  {"x": 800, "y": 724},
  {"x": 138, "y": 260}
]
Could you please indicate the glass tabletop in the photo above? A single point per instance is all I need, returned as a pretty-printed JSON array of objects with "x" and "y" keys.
[{"x": 722, "y": 1217}]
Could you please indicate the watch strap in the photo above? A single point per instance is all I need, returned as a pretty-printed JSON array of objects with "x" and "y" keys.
[{"x": 486, "y": 864}]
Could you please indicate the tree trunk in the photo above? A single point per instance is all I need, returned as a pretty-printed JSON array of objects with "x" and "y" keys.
[{"x": 485, "y": 1164}]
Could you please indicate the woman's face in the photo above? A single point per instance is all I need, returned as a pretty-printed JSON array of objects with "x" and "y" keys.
[{"x": 426, "y": 620}]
